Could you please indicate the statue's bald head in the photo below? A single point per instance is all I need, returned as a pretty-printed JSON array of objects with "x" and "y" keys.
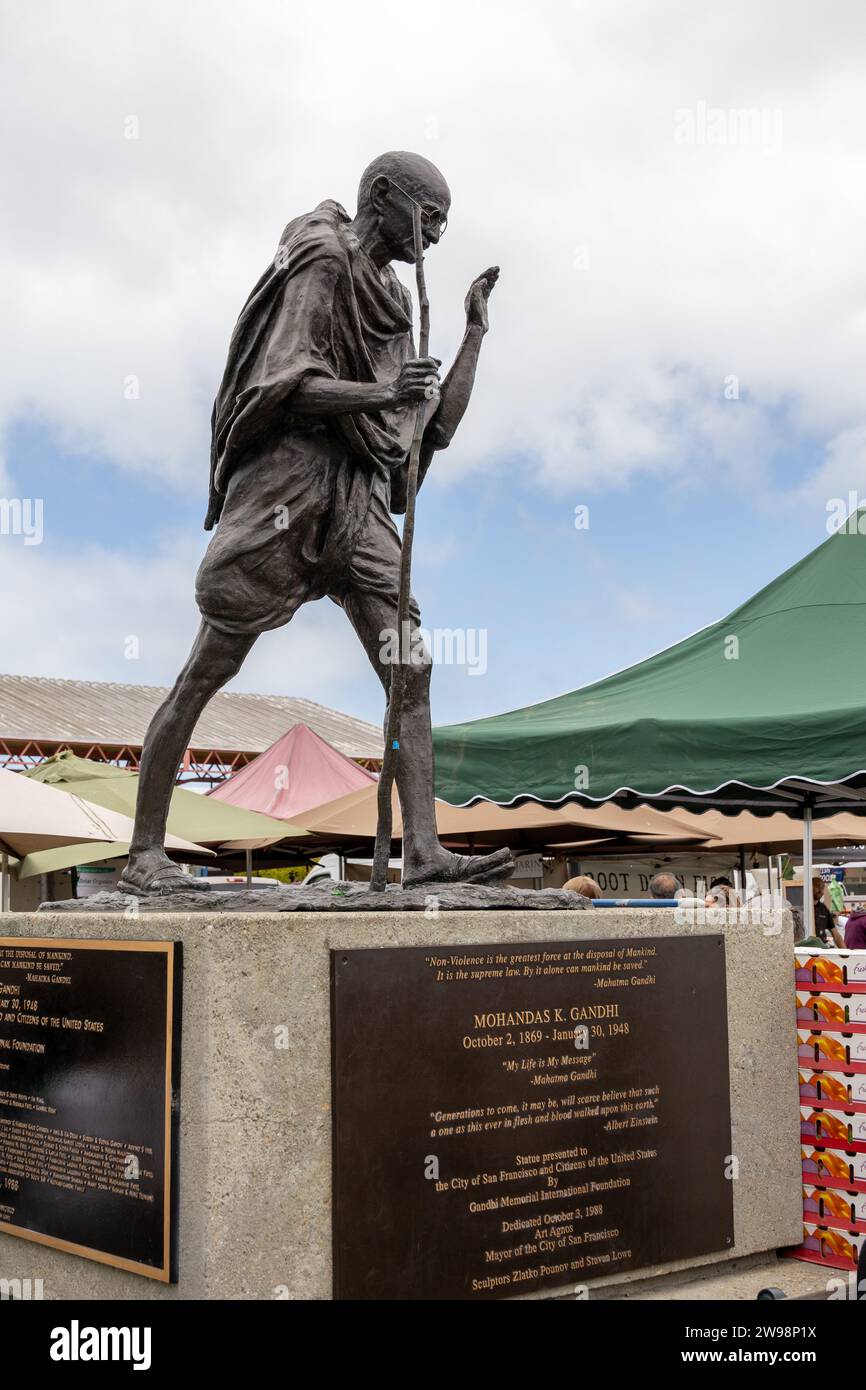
[
  {"x": 390, "y": 187},
  {"x": 417, "y": 175}
]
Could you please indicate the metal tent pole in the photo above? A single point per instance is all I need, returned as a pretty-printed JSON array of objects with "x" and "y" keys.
[
  {"x": 808, "y": 905},
  {"x": 743, "y": 874}
]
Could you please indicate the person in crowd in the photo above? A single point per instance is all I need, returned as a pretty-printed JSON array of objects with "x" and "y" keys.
[
  {"x": 825, "y": 921},
  {"x": 664, "y": 885},
  {"x": 722, "y": 894},
  {"x": 585, "y": 885},
  {"x": 836, "y": 889},
  {"x": 855, "y": 931}
]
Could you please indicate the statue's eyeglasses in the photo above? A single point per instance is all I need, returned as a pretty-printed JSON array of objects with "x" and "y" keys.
[{"x": 431, "y": 216}]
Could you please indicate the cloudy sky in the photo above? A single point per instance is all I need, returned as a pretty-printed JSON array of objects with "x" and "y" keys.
[{"x": 675, "y": 194}]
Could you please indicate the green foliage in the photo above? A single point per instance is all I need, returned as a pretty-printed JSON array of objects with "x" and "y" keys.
[{"x": 292, "y": 874}]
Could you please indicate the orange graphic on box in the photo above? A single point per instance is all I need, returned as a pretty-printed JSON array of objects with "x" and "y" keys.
[
  {"x": 829, "y": 1047},
  {"x": 831, "y": 1128},
  {"x": 825, "y": 970},
  {"x": 833, "y": 1203},
  {"x": 837, "y": 1244},
  {"x": 825, "y": 1007},
  {"x": 835, "y": 1165},
  {"x": 831, "y": 1088}
]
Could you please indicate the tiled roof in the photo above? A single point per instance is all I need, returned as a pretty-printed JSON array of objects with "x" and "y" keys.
[{"x": 48, "y": 710}]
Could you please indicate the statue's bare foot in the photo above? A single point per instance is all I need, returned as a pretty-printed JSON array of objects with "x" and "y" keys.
[
  {"x": 444, "y": 867},
  {"x": 151, "y": 872}
]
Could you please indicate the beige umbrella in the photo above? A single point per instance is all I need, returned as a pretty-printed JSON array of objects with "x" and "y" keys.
[
  {"x": 771, "y": 835},
  {"x": 775, "y": 834},
  {"x": 352, "y": 819},
  {"x": 34, "y": 816}
]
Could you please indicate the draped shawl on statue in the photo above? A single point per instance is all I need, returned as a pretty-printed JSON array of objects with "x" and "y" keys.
[{"x": 321, "y": 308}]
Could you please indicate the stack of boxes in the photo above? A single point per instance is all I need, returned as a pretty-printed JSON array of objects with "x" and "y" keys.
[{"x": 831, "y": 1052}]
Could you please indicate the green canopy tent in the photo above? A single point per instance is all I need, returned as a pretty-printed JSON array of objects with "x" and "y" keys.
[
  {"x": 732, "y": 717},
  {"x": 217, "y": 823}
]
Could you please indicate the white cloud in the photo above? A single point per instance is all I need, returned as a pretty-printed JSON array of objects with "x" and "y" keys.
[
  {"x": 102, "y": 615},
  {"x": 840, "y": 473},
  {"x": 556, "y": 128}
]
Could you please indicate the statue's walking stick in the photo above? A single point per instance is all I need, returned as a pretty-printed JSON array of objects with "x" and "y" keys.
[{"x": 379, "y": 876}]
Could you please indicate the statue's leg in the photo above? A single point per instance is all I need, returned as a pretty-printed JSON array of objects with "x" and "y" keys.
[
  {"x": 374, "y": 617},
  {"x": 215, "y": 658}
]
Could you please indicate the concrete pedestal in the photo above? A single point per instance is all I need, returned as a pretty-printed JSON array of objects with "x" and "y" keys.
[{"x": 255, "y": 1148}]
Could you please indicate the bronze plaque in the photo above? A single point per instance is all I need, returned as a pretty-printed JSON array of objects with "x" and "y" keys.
[
  {"x": 517, "y": 1117},
  {"x": 89, "y": 1087}
]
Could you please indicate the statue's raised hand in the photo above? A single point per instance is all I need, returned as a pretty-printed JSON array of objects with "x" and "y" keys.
[{"x": 476, "y": 300}]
